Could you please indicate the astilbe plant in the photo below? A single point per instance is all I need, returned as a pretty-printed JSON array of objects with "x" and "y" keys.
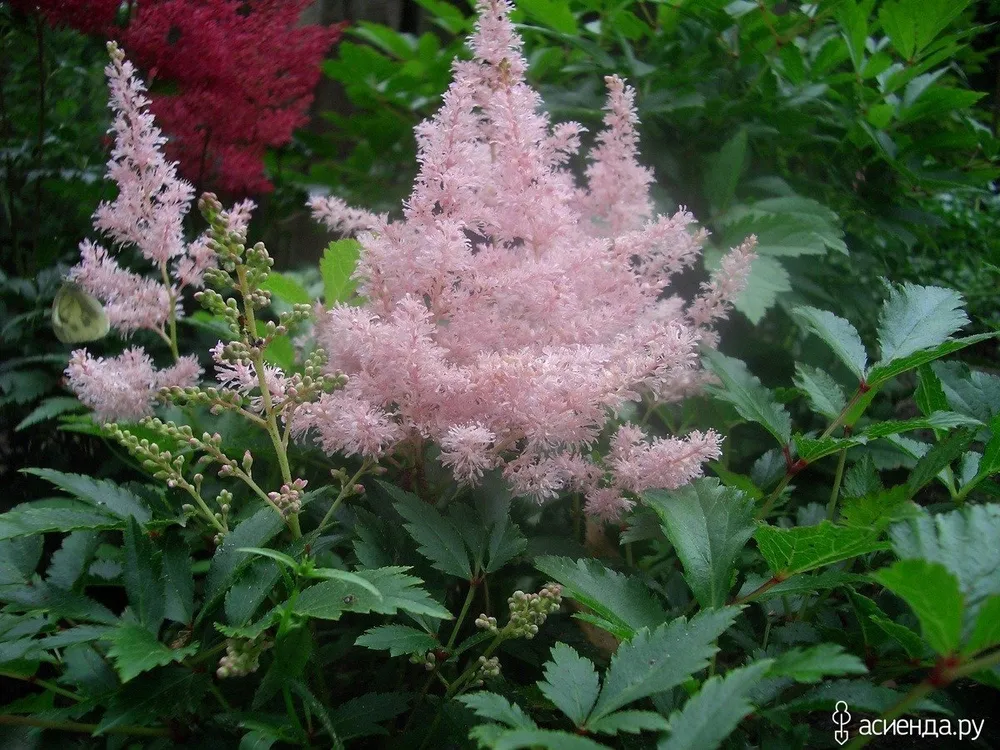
[
  {"x": 510, "y": 311},
  {"x": 148, "y": 215}
]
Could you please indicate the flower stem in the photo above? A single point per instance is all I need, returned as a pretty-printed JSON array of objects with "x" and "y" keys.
[
  {"x": 257, "y": 357},
  {"x": 831, "y": 507},
  {"x": 461, "y": 617},
  {"x": 51, "y": 687},
  {"x": 75, "y": 726}
]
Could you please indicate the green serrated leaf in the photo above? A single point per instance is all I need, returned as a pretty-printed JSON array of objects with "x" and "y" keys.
[
  {"x": 632, "y": 722},
  {"x": 933, "y": 594},
  {"x": 804, "y": 548},
  {"x": 143, "y": 577},
  {"x": 751, "y": 399},
  {"x": 655, "y": 661},
  {"x": 715, "y": 711},
  {"x": 41, "y": 517},
  {"x": 912, "y": 643},
  {"x": 838, "y": 334},
  {"x": 178, "y": 581},
  {"x": 505, "y": 543},
  {"x": 939, "y": 457},
  {"x": 986, "y": 632},
  {"x": 361, "y": 716},
  {"x": 135, "y": 650},
  {"x": 227, "y": 561},
  {"x": 724, "y": 171},
  {"x": 964, "y": 541},
  {"x": 881, "y": 373},
  {"x": 929, "y": 396},
  {"x": 497, "y": 708},
  {"x": 69, "y": 605},
  {"x": 397, "y": 640},
  {"x": 709, "y": 525},
  {"x": 439, "y": 539},
  {"x": 571, "y": 683},
  {"x": 622, "y": 604},
  {"x": 330, "y": 599},
  {"x": 49, "y": 409},
  {"x": 814, "y": 663},
  {"x": 914, "y": 318},
  {"x": 824, "y": 393},
  {"x": 69, "y": 562},
  {"x": 99, "y": 493},
  {"x": 336, "y": 267}
]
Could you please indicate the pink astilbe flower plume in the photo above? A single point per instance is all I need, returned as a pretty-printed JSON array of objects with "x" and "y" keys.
[
  {"x": 510, "y": 310},
  {"x": 147, "y": 215}
]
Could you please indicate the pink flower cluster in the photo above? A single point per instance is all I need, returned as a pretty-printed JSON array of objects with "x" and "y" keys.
[
  {"x": 510, "y": 311},
  {"x": 148, "y": 215}
]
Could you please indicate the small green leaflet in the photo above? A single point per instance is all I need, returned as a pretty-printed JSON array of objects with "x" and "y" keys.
[
  {"x": 751, "y": 399},
  {"x": 709, "y": 525},
  {"x": 336, "y": 267},
  {"x": 655, "y": 661},
  {"x": 135, "y": 650},
  {"x": 620, "y": 604},
  {"x": 571, "y": 683},
  {"x": 330, "y": 599},
  {"x": 99, "y": 493},
  {"x": 824, "y": 393},
  {"x": 934, "y": 595},
  {"x": 715, "y": 711},
  {"x": 838, "y": 334},
  {"x": 805, "y": 548},
  {"x": 397, "y": 640},
  {"x": 816, "y": 662}
]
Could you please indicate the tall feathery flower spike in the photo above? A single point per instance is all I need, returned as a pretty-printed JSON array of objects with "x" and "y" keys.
[
  {"x": 510, "y": 310},
  {"x": 147, "y": 214}
]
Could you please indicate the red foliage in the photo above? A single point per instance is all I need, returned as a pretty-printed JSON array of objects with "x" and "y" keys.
[
  {"x": 88, "y": 16},
  {"x": 228, "y": 78}
]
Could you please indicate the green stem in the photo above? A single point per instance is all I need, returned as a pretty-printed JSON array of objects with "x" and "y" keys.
[
  {"x": 461, "y": 617},
  {"x": 831, "y": 507},
  {"x": 51, "y": 687},
  {"x": 214, "y": 690},
  {"x": 767, "y": 585},
  {"x": 345, "y": 491},
  {"x": 771, "y": 498},
  {"x": 257, "y": 357},
  {"x": 75, "y": 726},
  {"x": 172, "y": 319}
]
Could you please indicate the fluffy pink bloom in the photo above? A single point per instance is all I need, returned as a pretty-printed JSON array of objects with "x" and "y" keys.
[
  {"x": 123, "y": 388},
  {"x": 347, "y": 424},
  {"x": 241, "y": 375},
  {"x": 131, "y": 301},
  {"x": 511, "y": 311},
  {"x": 339, "y": 217},
  {"x": 152, "y": 200},
  {"x": 466, "y": 450}
]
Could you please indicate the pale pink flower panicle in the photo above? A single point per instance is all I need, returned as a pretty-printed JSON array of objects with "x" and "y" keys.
[
  {"x": 511, "y": 311},
  {"x": 123, "y": 388},
  {"x": 148, "y": 214}
]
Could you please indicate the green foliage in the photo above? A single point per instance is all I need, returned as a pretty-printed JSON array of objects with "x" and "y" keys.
[
  {"x": 620, "y": 604},
  {"x": 708, "y": 524}
]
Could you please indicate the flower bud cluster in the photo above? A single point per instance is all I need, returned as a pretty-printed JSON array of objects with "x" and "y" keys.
[
  {"x": 240, "y": 268},
  {"x": 242, "y": 658},
  {"x": 217, "y": 399},
  {"x": 162, "y": 464},
  {"x": 529, "y": 611},
  {"x": 429, "y": 660},
  {"x": 487, "y": 669},
  {"x": 289, "y": 500}
]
